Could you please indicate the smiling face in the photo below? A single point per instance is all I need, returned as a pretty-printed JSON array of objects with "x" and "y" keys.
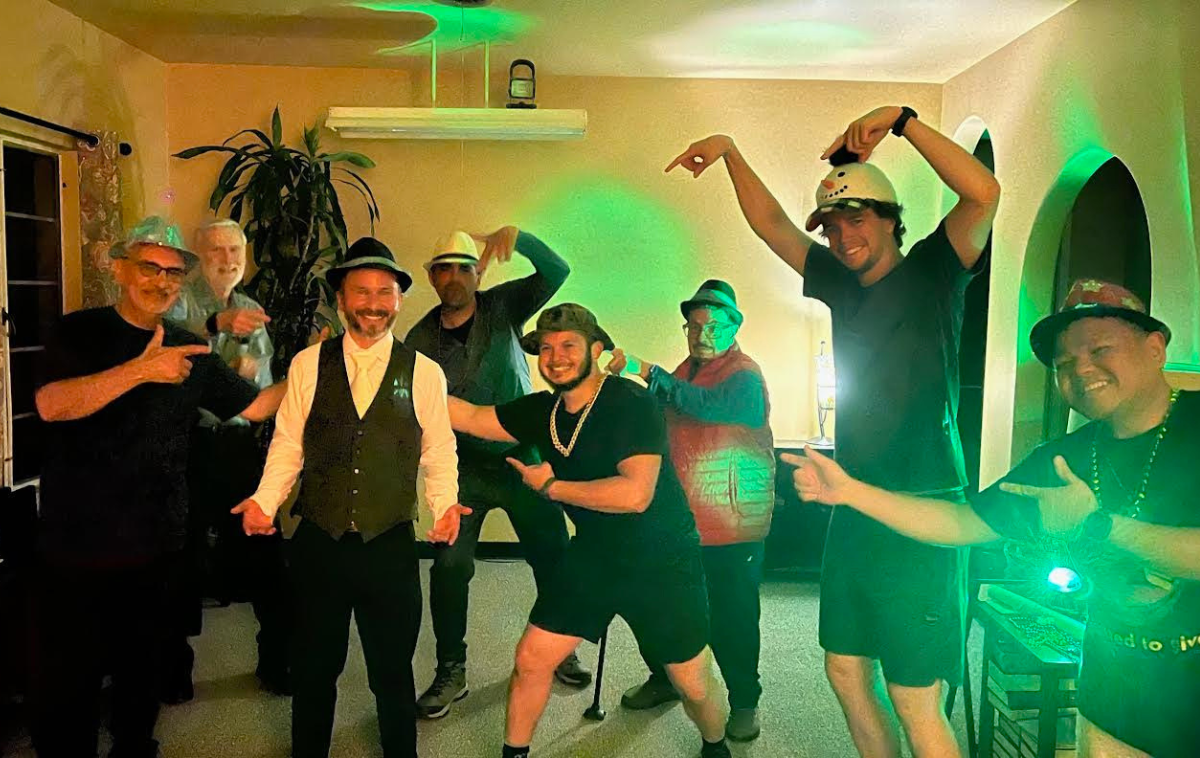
[
  {"x": 566, "y": 359},
  {"x": 370, "y": 299},
  {"x": 1104, "y": 365},
  {"x": 860, "y": 239},
  {"x": 150, "y": 278},
  {"x": 222, "y": 251}
]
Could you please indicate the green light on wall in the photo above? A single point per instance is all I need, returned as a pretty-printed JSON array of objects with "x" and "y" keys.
[
  {"x": 456, "y": 28},
  {"x": 789, "y": 40}
]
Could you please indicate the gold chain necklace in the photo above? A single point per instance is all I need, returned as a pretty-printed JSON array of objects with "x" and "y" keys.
[
  {"x": 1134, "y": 508},
  {"x": 566, "y": 451}
]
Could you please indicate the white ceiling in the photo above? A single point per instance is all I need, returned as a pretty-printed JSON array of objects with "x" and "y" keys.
[{"x": 878, "y": 40}]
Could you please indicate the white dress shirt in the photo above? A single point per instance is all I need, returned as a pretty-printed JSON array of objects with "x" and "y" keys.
[{"x": 439, "y": 456}]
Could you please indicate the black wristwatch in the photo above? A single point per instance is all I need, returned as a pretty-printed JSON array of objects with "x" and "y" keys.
[
  {"x": 211, "y": 324},
  {"x": 1097, "y": 526},
  {"x": 905, "y": 114}
]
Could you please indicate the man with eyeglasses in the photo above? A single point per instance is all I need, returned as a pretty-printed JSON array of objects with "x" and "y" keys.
[
  {"x": 225, "y": 465},
  {"x": 717, "y": 412},
  {"x": 120, "y": 391}
]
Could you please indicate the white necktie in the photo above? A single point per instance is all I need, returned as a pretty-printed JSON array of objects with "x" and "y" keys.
[{"x": 360, "y": 385}]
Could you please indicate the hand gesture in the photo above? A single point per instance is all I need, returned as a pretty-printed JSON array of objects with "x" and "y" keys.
[
  {"x": 241, "y": 322},
  {"x": 535, "y": 476},
  {"x": 618, "y": 363},
  {"x": 446, "y": 528},
  {"x": 254, "y": 521},
  {"x": 245, "y": 367},
  {"x": 167, "y": 365},
  {"x": 499, "y": 245},
  {"x": 1063, "y": 508},
  {"x": 700, "y": 155},
  {"x": 818, "y": 478},
  {"x": 865, "y": 134}
]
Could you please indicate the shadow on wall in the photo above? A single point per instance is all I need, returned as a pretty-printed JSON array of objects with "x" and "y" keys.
[
  {"x": 91, "y": 97},
  {"x": 1092, "y": 223}
]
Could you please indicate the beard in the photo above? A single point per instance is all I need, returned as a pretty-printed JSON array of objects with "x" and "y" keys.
[
  {"x": 371, "y": 331},
  {"x": 585, "y": 370},
  {"x": 455, "y": 296}
]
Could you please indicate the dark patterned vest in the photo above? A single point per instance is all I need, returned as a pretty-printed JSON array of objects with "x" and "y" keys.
[{"x": 361, "y": 472}]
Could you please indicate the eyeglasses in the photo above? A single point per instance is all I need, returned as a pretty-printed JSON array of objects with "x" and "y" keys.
[
  {"x": 148, "y": 270},
  {"x": 711, "y": 329}
]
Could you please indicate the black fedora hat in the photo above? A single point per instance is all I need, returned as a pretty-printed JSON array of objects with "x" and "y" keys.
[{"x": 368, "y": 252}]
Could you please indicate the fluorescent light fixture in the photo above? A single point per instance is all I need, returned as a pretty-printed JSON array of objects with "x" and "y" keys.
[{"x": 457, "y": 123}]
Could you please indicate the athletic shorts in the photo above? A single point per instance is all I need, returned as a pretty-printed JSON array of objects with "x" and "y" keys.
[
  {"x": 892, "y": 599},
  {"x": 663, "y": 599},
  {"x": 1143, "y": 691}
]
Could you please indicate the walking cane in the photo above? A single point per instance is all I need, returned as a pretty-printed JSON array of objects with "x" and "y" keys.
[{"x": 594, "y": 711}]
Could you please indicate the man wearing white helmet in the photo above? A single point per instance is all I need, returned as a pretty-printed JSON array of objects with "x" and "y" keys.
[
  {"x": 896, "y": 324},
  {"x": 474, "y": 336}
]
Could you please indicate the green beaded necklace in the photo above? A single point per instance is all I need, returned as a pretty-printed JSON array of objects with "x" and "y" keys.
[{"x": 1135, "y": 505}]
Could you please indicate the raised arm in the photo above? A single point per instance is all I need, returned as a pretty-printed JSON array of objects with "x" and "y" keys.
[
  {"x": 81, "y": 396},
  {"x": 938, "y": 522},
  {"x": 477, "y": 420},
  {"x": 760, "y": 208},
  {"x": 524, "y": 297},
  {"x": 630, "y": 491},
  {"x": 970, "y": 221}
]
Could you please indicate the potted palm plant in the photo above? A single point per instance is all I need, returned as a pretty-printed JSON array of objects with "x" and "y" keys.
[{"x": 294, "y": 226}]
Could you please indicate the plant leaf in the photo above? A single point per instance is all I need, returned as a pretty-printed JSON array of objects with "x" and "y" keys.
[
  {"x": 357, "y": 159},
  {"x": 276, "y": 128}
]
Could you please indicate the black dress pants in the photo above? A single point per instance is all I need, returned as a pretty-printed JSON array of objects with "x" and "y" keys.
[
  {"x": 93, "y": 621},
  {"x": 377, "y": 581},
  {"x": 539, "y": 525},
  {"x": 733, "y": 574}
]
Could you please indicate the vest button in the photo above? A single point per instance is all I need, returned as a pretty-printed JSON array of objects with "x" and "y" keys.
[
  {"x": 353, "y": 492},
  {"x": 356, "y": 471},
  {"x": 360, "y": 432}
]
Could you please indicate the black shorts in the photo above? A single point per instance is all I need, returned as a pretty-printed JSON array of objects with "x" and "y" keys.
[
  {"x": 1144, "y": 694},
  {"x": 664, "y": 601},
  {"x": 886, "y": 597}
]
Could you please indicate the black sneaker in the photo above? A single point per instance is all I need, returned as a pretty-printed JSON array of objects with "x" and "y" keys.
[
  {"x": 276, "y": 681},
  {"x": 449, "y": 686},
  {"x": 653, "y": 692},
  {"x": 715, "y": 750},
  {"x": 572, "y": 673}
]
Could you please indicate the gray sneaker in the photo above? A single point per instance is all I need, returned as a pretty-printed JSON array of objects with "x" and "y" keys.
[
  {"x": 653, "y": 692},
  {"x": 572, "y": 673},
  {"x": 449, "y": 686},
  {"x": 742, "y": 725}
]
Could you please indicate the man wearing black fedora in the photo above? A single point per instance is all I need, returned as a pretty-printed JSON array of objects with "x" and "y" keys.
[
  {"x": 1117, "y": 497},
  {"x": 361, "y": 416},
  {"x": 722, "y": 449}
]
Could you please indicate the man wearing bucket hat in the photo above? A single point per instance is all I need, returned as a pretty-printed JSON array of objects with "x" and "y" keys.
[
  {"x": 603, "y": 444},
  {"x": 473, "y": 335},
  {"x": 894, "y": 315},
  {"x": 722, "y": 449},
  {"x": 1120, "y": 492},
  {"x": 362, "y": 415},
  {"x": 121, "y": 389}
]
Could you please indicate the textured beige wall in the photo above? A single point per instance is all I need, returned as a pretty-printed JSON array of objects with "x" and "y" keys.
[
  {"x": 1102, "y": 74},
  {"x": 63, "y": 69}
]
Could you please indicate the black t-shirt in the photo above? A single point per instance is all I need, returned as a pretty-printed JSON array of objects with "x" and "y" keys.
[
  {"x": 896, "y": 350},
  {"x": 1125, "y": 603},
  {"x": 461, "y": 332},
  {"x": 113, "y": 483},
  {"x": 625, "y": 421}
]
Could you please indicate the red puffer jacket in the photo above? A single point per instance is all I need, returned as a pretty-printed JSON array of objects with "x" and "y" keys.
[{"x": 727, "y": 470}]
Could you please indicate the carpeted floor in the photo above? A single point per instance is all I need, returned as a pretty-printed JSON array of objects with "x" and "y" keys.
[{"x": 231, "y": 718}]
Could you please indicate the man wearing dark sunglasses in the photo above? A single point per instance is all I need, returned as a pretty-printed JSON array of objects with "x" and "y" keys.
[
  {"x": 722, "y": 449},
  {"x": 120, "y": 391}
]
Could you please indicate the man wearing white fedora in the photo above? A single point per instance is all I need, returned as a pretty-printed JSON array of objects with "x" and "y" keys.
[{"x": 474, "y": 335}]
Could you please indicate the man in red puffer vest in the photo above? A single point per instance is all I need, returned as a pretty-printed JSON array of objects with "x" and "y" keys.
[{"x": 717, "y": 413}]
